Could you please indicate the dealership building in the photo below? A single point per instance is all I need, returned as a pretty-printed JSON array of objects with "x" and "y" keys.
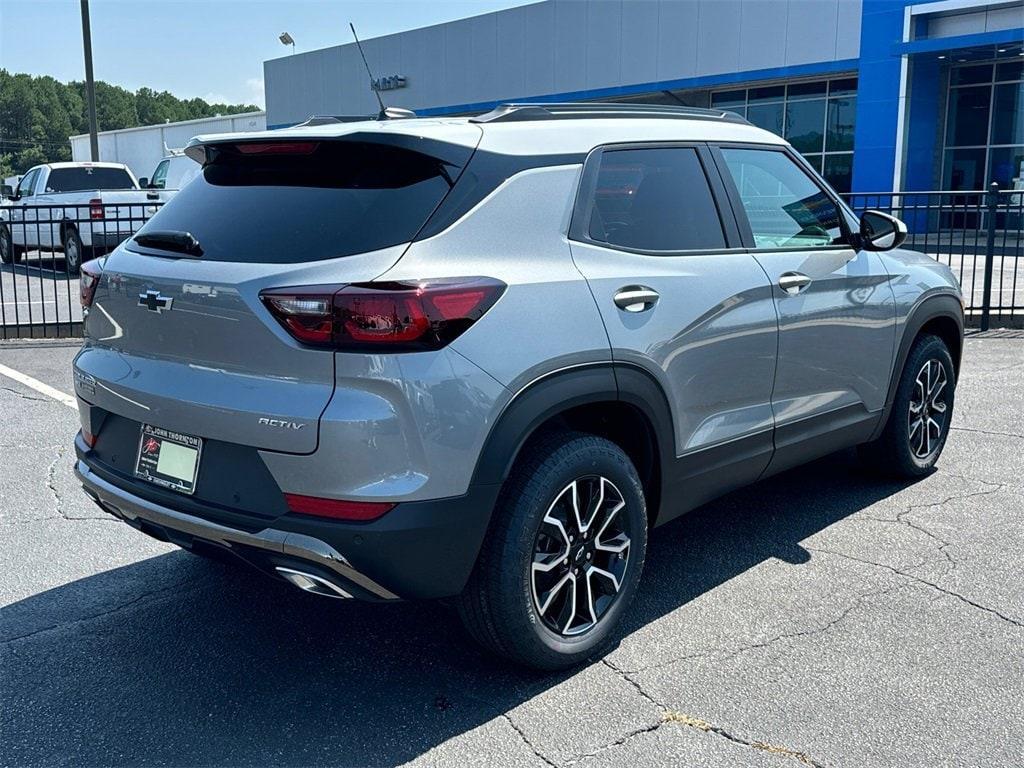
[{"x": 877, "y": 94}]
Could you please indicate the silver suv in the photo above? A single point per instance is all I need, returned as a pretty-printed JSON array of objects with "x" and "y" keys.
[{"x": 480, "y": 358}]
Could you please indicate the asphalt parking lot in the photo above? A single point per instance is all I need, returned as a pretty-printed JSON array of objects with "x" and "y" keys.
[{"x": 822, "y": 618}]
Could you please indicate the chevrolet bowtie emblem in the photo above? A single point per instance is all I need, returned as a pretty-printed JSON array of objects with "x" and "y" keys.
[{"x": 154, "y": 302}]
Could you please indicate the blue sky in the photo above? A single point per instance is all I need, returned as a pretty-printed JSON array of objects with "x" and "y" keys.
[{"x": 213, "y": 49}]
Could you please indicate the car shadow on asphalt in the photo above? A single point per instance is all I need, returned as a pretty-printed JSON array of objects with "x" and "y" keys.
[{"x": 195, "y": 662}]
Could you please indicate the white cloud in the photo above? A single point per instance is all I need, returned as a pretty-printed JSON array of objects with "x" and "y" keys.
[{"x": 254, "y": 89}]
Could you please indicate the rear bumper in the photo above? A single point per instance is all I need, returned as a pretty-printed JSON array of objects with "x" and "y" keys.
[{"x": 418, "y": 550}]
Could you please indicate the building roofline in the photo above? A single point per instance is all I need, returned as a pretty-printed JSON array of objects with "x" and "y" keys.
[{"x": 193, "y": 121}]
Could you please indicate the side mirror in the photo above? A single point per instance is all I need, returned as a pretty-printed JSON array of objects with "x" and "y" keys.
[
  {"x": 7, "y": 191},
  {"x": 881, "y": 232},
  {"x": 143, "y": 182}
]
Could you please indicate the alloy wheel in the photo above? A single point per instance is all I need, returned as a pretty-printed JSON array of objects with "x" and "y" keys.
[
  {"x": 928, "y": 409},
  {"x": 71, "y": 253},
  {"x": 580, "y": 555}
]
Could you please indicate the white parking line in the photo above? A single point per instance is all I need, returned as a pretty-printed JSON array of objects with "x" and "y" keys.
[{"x": 38, "y": 386}]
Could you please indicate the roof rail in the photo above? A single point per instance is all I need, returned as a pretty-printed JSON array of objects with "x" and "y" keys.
[{"x": 518, "y": 112}]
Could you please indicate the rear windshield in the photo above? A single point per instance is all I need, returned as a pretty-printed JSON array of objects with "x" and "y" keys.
[
  {"x": 328, "y": 199},
  {"x": 88, "y": 179}
]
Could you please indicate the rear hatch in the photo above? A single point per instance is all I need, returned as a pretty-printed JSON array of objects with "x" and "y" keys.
[{"x": 177, "y": 334}]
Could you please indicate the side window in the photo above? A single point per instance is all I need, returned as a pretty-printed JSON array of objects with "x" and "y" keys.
[
  {"x": 654, "y": 199},
  {"x": 784, "y": 206},
  {"x": 27, "y": 183},
  {"x": 159, "y": 180}
]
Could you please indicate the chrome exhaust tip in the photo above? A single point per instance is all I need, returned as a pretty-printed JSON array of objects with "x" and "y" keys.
[{"x": 308, "y": 582}]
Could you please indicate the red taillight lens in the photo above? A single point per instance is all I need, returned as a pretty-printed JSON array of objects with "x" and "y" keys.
[
  {"x": 278, "y": 148},
  {"x": 89, "y": 438},
  {"x": 88, "y": 281},
  {"x": 96, "y": 208},
  {"x": 337, "y": 509},
  {"x": 392, "y": 317}
]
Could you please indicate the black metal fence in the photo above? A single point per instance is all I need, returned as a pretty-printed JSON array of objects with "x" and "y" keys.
[
  {"x": 978, "y": 234},
  {"x": 41, "y": 250}
]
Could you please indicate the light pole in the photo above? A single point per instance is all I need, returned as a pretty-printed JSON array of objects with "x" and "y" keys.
[
  {"x": 90, "y": 84},
  {"x": 287, "y": 39}
]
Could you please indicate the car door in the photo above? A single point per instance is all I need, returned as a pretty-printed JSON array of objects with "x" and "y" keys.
[
  {"x": 835, "y": 305},
  {"x": 23, "y": 218},
  {"x": 683, "y": 301}
]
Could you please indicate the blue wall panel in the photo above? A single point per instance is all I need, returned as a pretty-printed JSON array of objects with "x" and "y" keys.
[{"x": 878, "y": 97}]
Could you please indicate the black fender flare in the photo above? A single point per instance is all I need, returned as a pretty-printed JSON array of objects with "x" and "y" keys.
[
  {"x": 563, "y": 390},
  {"x": 943, "y": 305}
]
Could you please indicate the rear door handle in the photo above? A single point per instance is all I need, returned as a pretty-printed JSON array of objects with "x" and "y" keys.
[
  {"x": 793, "y": 282},
  {"x": 636, "y": 298}
]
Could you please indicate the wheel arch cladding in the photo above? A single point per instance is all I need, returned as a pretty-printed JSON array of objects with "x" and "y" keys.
[
  {"x": 620, "y": 403},
  {"x": 941, "y": 315}
]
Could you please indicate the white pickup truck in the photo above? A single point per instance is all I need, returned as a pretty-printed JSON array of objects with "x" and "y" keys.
[{"x": 79, "y": 209}]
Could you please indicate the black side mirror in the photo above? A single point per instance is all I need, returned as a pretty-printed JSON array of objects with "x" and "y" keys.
[
  {"x": 144, "y": 183},
  {"x": 881, "y": 232},
  {"x": 7, "y": 191}
]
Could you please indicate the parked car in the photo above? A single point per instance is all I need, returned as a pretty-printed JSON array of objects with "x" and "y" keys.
[
  {"x": 78, "y": 209},
  {"x": 173, "y": 172},
  {"x": 482, "y": 358}
]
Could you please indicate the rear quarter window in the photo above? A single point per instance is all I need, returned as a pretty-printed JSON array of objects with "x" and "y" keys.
[{"x": 333, "y": 198}]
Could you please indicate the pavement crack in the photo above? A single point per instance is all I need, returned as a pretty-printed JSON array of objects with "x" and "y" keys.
[
  {"x": 527, "y": 742},
  {"x": 23, "y": 396},
  {"x": 689, "y": 721},
  {"x": 920, "y": 580},
  {"x": 986, "y": 432},
  {"x": 639, "y": 688},
  {"x": 148, "y": 597},
  {"x": 58, "y": 498},
  {"x": 723, "y": 654}
]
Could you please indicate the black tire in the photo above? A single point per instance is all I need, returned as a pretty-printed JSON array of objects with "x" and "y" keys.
[
  {"x": 74, "y": 252},
  {"x": 903, "y": 449},
  {"x": 499, "y": 607},
  {"x": 9, "y": 252}
]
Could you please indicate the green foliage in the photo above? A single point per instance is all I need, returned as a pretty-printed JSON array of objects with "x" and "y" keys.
[{"x": 38, "y": 114}]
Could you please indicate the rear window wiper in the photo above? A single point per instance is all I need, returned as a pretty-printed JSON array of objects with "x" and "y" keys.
[{"x": 170, "y": 240}]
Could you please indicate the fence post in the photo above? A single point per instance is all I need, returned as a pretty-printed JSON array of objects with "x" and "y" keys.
[{"x": 992, "y": 203}]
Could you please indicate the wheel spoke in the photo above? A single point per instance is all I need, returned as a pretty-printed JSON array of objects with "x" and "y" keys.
[
  {"x": 571, "y": 604},
  {"x": 610, "y": 576},
  {"x": 590, "y": 598},
  {"x": 544, "y": 601}
]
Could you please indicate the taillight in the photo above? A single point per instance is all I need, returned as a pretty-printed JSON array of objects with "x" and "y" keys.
[
  {"x": 88, "y": 281},
  {"x": 278, "y": 148},
  {"x": 96, "y": 208},
  {"x": 394, "y": 317},
  {"x": 336, "y": 508}
]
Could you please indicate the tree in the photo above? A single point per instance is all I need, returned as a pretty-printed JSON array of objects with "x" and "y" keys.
[{"x": 38, "y": 114}]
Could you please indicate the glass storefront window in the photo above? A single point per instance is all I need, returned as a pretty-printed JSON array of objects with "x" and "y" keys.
[
  {"x": 817, "y": 117},
  {"x": 985, "y": 126},
  {"x": 842, "y": 114},
  {"x": 768, "y": 93},
  {"x": 1008, "y": 114},
  {"x": 729, "y": 99},
  {"x": 970, "y": 75},
  {"x": 805, "y": 125},
  {"x": 839, "y": 171},
  {"x": 1006, "y": 167},
  {"x": 767, "y": 116},
  {"x": 967, "y": 119},
  {"x": 964, "y": 169},
  {"x": 807, "y": 90}
]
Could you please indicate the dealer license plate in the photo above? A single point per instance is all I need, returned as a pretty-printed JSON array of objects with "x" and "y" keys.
[{"x": 169, "y": 459}]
